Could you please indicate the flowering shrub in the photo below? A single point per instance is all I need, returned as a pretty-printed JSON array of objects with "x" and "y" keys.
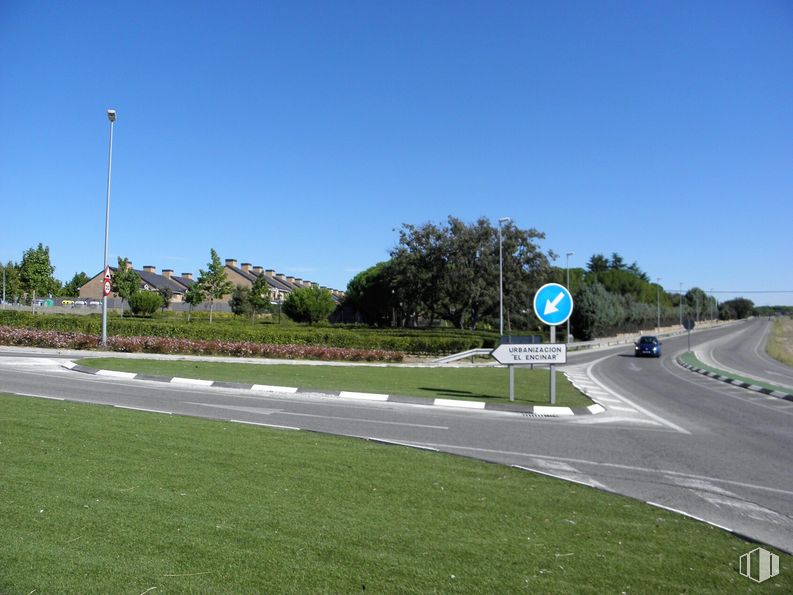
[{"x": 64, "y": 340}]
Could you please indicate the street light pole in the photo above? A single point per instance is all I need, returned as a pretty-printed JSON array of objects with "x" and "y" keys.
[
  {"x": 658, "y": 301},
  {"x": 501, "y": 221},
  {"x": 111, "y": 115},
  {"x": 567, "y": 266},
  {"x": 680, "y": 304}
]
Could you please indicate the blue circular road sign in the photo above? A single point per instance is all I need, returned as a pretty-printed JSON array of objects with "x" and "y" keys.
[{"x": 553, "y": 304}]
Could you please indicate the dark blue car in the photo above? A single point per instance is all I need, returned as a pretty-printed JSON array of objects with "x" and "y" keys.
[{"x": 647, "y": 346}]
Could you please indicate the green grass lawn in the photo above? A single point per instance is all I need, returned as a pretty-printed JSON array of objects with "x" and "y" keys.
[
  {"x": 101, "y": 500},
  {"x": 488, "y": 384}
]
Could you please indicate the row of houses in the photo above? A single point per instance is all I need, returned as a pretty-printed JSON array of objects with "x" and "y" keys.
[{"x": 244, "y": 275}]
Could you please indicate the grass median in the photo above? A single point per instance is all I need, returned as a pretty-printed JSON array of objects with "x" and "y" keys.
[
  {"x": 480, "y": 384},
  {"x": 692, "y": 360},
  {"x": 102, "y": 500}
]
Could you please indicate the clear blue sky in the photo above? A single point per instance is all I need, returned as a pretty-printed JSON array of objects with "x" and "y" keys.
[{"x": 300, "y": 135}]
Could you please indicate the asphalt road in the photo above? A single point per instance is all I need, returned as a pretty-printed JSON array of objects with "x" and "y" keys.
[
  {"x": 669, "y": 436},
  {"x": 745, "y": 354}
]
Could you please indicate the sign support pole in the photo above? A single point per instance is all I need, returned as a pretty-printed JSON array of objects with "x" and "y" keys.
[
  {"x": 552, "y": 367},
  {"x": 511, "y": 383}
]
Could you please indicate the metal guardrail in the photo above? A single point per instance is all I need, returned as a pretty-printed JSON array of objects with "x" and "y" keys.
[{"x": 462, "y": 355}]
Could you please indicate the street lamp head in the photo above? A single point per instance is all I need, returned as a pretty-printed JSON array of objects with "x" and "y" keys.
[
  {"x": 569, "y": 253},
  {"x": 111, "y": 115},
  {"x": 504, "y": 220}
]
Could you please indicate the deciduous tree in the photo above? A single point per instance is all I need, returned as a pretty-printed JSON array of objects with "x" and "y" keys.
[
  {"x": 240, "y": 301},
  {"x": 213, "y": 281},
  {"x": 9, "y": 277},
  {"x": 166, "y": 294},
  {"x": 309, "y": 304},
  {"x": 194, "y": 296},
  {"x": 145, "y": 303},
  {"x": 35, "y": 272},
  {"x": 126, "y": 282},
  {"x": 72, "y": 288},
  {"x": 260, "y": 296}
]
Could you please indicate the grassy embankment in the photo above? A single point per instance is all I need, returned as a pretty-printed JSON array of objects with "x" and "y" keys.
[
  {"x": 483, "y": 384},
  {"x": 780, "y": 343},
  {"x": 100, "y": 500}
]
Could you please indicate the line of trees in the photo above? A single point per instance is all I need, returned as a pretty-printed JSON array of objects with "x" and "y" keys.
[
  {"x": 449, "y": 273},
  {"x": 34, "y": 277}
]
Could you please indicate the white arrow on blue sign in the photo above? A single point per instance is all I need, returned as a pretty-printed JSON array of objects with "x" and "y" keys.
[{"x": 553, "y": 304}]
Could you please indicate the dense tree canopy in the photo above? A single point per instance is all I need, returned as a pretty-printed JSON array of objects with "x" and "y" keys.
[
  {"x": 36, "y": 272},
  {"x": 145, "y": 303},
  {"x": 11, "y": 284},
  {"x": 372, "y": 294},
  {"x": 126, "y": 282},
  {"x": 309, "y": 304},
  {"x": 451, "y": 271},
  {"x": 72, "y": 288},
  {"x": 736, "y": 308}
]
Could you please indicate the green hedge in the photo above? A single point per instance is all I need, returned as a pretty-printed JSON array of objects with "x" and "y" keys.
[{"x": 413, "y": 341}]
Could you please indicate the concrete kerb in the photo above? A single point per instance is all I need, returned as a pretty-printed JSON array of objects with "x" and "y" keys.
[
  {"x": 525, "y": 410},
  {"x": 723, "y": 376}
]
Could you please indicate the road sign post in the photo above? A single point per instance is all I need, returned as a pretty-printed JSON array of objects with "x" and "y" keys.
[
  {"x": 526, "y": 351},
  {"x": 107, "y": 285},
  {"x": 553, "y": 305}
]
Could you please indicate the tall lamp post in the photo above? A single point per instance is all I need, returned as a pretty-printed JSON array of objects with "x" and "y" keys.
[
  {"x": 567, "y": 266},
  {"x": 501, "y": 222},
  {"x": 658, "y": 301},
  {"x": 111, "y": 115},
  {"x": 680, "y": 304}
]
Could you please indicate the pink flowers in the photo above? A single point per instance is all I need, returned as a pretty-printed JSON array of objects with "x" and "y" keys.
[{"x": 64, "y": 340}]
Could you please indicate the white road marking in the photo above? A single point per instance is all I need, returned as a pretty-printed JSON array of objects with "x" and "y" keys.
[
  {"x": 143, "y": 409},
  {"x": 689, "y": 515},
  {"x": 274, "y": 389},
  {"x": 627, "y": 401},
  {"x": 253, "y": 423},
  {"x": 562, "y": 470},
  {"x": 651, "y": 471},
  {"x": 397, "y": 443},
  {"x": 590, "y": 421},
  {"x": 281, "y": 412},
  {"x": 257, "y": 410},
  {"x": 114, "y": 374},
  {"x": 459, "y": 404},
  {"x": 191, "y": 381},
  {"x": 346, "y": 394},
  {"x": 719, "y": 497},
  {"x": 39, "y": 396}
]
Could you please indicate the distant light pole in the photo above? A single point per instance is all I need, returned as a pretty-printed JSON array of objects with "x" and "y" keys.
[
  {"x": 111, "y": 115},
  {"x": 680, "y": 303},
  {"x": 567, "y": 266},
  {"x": 658, "y": 300},
  {"x": 710, "y": 305},
  {"x": 501, "y": 221}
]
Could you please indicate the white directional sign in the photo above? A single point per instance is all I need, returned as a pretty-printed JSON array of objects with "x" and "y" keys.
[
  {"x": 553, "y": 304},
  {"x": 548, "y": 353}
]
